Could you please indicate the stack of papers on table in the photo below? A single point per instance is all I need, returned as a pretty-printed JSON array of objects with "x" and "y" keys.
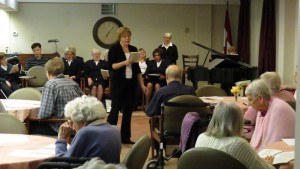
[{"x": 279, "y": 156}]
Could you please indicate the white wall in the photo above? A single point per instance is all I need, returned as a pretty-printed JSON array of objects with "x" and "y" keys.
[{"x": 73, "y": 24}]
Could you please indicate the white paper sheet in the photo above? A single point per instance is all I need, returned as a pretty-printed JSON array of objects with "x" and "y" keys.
[
  {"x": 289, "y": 141},
  {"x": 11, "y": 139}
]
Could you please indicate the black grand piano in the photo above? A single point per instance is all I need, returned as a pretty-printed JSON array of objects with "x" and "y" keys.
[{"x": 224, "y": 69}]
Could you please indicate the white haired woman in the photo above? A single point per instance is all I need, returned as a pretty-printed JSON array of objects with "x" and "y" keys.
[
  {"x": 224, "y": 133},
  {"x": 94, "y": 136}
]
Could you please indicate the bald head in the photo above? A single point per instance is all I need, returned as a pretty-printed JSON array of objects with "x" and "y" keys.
[{"x": 173, "y": 72}]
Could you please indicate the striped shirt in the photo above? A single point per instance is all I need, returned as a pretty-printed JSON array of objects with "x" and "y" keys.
[
  {"x": 236, "y": 147},
  {"x": 56, "y": 93},
  {"x": 33, "y": 61}
]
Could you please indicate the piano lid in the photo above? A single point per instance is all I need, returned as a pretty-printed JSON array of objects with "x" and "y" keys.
[{"x": 224, "y": 61}]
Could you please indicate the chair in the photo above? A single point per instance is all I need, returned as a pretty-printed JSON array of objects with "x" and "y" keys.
[
  {"x": 134, "y": 159},
  {"x": 36, "y": 77},
  {"x": 208, "y": 158},
  {"x": 210, "y": 90},
  {"x": 292, "y": 104},
  {"x": 12, "y": 125},
  {"x": 137, "y": 155},
  {"x": 27, "y": 93},
  {"x": 188, "y": 61},
  {"x": 166, "y": 128}
]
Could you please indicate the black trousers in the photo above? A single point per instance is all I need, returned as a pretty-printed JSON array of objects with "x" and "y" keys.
[
  {"x": 8, "y": 90},
  {"x": 122, "y": 97}
]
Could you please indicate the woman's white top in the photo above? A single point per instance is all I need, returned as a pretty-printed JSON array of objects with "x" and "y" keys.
[
  {"x": 143, "y": 66},
  {"x": 128, "y": 71}
]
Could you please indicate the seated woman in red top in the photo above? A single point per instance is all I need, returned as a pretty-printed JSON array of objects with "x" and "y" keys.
[{"x": 155, "y": 73}]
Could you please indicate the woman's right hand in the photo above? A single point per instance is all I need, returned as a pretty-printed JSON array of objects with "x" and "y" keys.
[
  {"x": 127, "y": 62},
  {"x": 90, "y": 81},
  {"x": 269, "y": 159},
  {"x": 64, "y": 130},
  {"x": 8, "y": 83}
]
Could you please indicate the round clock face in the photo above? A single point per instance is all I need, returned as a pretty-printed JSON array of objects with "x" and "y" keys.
[{"x": 105, "y": 31}]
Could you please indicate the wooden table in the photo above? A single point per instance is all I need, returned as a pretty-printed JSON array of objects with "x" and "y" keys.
[
  {"x": 241, "y": 101},
  {"x": 18, "y": 151},
  {"x": 20, "y": 108}
]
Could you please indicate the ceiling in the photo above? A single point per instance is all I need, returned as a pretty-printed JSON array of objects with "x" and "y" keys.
[
  {"x": 141, "y": 1},
  {"x": 12, "y": 5}
]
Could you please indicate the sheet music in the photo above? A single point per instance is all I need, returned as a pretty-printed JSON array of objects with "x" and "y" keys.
[
  {"x": 214, "y": 63},
  {"x": 14, "y": 69},
  {"x": 105, "y": 74},
  {"x": 135, "y": 57}
]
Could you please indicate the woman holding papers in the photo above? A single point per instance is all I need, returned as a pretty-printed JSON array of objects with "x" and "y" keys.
[
  {"x": 124, "y": 77},
  {"x": 9, "y": 76},
  {"x": 155, "y": 73},
  {"x": 93, "y": 75},
  {"x": 224, "y": 133}
]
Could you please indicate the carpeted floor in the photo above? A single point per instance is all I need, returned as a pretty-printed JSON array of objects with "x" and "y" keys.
[{"x": 139, "y": 128}]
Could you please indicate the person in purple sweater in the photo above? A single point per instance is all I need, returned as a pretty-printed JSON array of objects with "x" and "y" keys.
[{"x": 94, "y": 136}]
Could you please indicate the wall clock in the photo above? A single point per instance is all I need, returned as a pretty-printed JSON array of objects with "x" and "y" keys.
[{"x": 105, "y": 31}]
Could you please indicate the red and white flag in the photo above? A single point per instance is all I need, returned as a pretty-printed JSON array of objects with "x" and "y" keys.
[{"x": 227, "y": 33}]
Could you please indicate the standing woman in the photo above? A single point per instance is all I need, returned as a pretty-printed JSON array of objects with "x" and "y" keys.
[
  {"x": 124, "y": 77},
  {"x": 169, "y": 49}
]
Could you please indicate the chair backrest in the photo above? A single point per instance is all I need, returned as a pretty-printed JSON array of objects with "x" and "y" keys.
[
  {"x": 39, "y": 73},
  {"x": 192, "y": 125},
  {"x": 210, "y": 90},
  {"x": 12, "y": 125},
  {"x": 292, "y": 104},
  {"x": 190, "y": 61},
  {"x": 173, "y": 115},
  {"x": 27, "y": 93},
  {"x": 137, "y": 155},
  {"x": 207, "y": 158}
]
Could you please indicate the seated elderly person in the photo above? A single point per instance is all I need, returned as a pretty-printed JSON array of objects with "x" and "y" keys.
[
  {"x": 224, "y": 133},
  {"x": 94, "y": 136},
  {"x": 275, "y": 119},
  {"x": 273, "y": 81}
]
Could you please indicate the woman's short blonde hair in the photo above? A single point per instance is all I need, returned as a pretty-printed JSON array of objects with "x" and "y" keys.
[
  {"x": 85, "y": 108},
  {"x": 55, "y": 66},
  {"x": 273, "y": 80},
  {"x": 227, "y": 121},
  {"x": 122, "y": 31},
  {"x": 70, "y": 49}
]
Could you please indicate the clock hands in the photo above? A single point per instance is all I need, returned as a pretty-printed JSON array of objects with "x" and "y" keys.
[{"x": 109, "y": 31}]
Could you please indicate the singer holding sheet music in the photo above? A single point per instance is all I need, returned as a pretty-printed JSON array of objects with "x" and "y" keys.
[
  {"x": 9, "y": 79},
  {"x": 124, "y": 77}
]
